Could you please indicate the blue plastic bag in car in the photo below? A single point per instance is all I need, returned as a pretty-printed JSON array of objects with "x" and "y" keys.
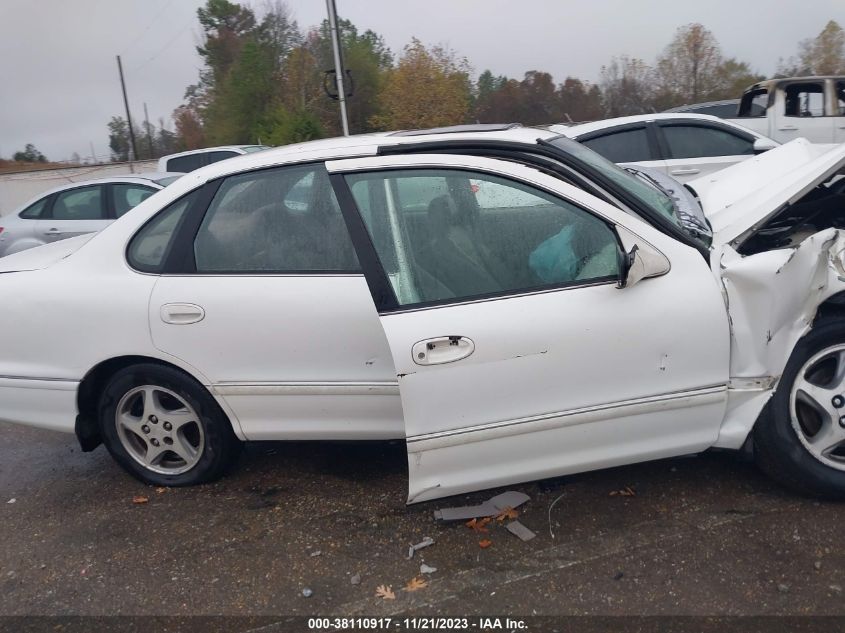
[{"x": 554, "y": 260}]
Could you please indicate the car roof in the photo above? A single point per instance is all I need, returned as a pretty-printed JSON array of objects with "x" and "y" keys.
[
  {"x": 579, "y": 129},
  {"x": 204, "y": 150},
  {"x": 691, "y": 107},
  {"x": 369, "y": 144}
]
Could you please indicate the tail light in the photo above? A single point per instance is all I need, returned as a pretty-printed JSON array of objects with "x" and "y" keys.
[{"x": 1, "y": 229}]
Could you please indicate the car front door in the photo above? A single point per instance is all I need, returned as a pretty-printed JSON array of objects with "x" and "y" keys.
[
  {"x": 74, "y": 212},
  {"x": 694, "y": 149},
  {"x": 517, "y": 355},
  {"x": 265, "y": 298}
]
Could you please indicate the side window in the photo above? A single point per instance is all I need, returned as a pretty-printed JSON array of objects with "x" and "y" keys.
[
  {"x": 34, "y": 211},
  {"x": 185, "y": 164},
  {"x": 84, "y": 203},
  {"x": 754, "y": 103},
  {"x": 840, "y": 98},
  {"x": 214, "y": 157},
  {"x": 275, "y": 221},
  {"x": 805, "y": 100},
  {"x": 514, "y": 239},
  {"x": 127, "y": 196},
  {"x": 627, "y": 146},
  {"x": 148, "y": 249},
  {"x": 695, "y": 141}
]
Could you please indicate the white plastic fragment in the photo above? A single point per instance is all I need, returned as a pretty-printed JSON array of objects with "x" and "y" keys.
[
  {"x": 517, "y": 529},
  {"x": 426, "y": 569},
  {"x": 423, "y": 543},
  {"x": 491, "y": 507}
]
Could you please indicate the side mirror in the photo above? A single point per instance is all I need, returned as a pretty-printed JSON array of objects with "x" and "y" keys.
[
  {"x": 639, "y": 259},
  {"x": 764, "y": 145}
]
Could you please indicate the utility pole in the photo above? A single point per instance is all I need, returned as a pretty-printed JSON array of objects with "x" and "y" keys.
[
  {"x": 128, "y": 116},
  {"x": 149, "y": 130},
  {"x": 338, "y": 65}
]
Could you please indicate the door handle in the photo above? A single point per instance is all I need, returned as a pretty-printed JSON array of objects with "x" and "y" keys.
[
  {"x": 182, "y": 313},
  {"x": 685, "y": 172},
  {"x": 788, "y": 128},
  {"x": 53, "y": 232},
  {"x": 443, "y": 349}
]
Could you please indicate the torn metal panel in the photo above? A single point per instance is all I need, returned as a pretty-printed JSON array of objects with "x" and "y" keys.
[
  {"x": 772, "y": 299},
  {"x": 491, "y": 507}
]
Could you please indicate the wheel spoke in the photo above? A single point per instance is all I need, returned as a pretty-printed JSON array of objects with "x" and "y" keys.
[
  {"x": 179, "y": 418},
  {"x": 152, "y": 406},
  {"x": 828, "y": 437},
  {"x": 130, "y": 423},
  {"x": 820, "y": 398},
  {"x": 154, "y": 454},
  {"x": 182, "y": 447}
]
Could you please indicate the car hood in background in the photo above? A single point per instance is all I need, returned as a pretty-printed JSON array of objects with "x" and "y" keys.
[
  {"x": 42, "y": 256},
  {"x": 741, "y": 198}
]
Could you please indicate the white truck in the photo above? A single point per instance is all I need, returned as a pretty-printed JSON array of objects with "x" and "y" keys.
[{"x": 785, "y": 109}]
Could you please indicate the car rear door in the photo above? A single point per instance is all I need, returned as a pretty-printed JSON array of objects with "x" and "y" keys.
[
  {"x": 75, "y": 212},
  {"x": 802, "y": 111},
  {"x": 517, "y": 355},
  {"x": 627, "y": 145}
]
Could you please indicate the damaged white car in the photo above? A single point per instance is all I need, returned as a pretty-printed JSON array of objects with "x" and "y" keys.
[{"x": 512, "y": 304}]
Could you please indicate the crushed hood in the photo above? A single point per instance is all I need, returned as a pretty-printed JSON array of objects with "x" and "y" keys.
[
  {"x": 42, "y": 256},
  {"x": 741, "y": 198}
]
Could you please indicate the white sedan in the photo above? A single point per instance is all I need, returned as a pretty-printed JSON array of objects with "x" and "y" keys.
[
  {"x": 510, "y": 303},
  {"x": 685, "y": 146}
]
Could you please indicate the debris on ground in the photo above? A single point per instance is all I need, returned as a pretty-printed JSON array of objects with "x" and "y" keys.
[
  {"x": 316, "y": 552},
  {"x": 12, "y": 500},
  {"x": 423, "y": 543},
  {"x": 817, "y": 565},
  {"x": 385, "y": 592},
  {"x": 307, "y": 592},
  {"x": 559, "y": 497},
  {"x": 477, "y": 525},
  {"x": 416, "y": 583},
  {"x": 161, "y": 490},
  {"x": 507, "y": 513},
  {"x": 485, "y": 543},
  {"x": 627, "y": 491},
  {"x": 490, "y": 508},
  {"x": 618, "y": 575},
  {"x": 138, "y": 499},
  {"x": 517, "y": 529},
  {"x": 356, "y": 579},
  {"x": 427, "y": 569}
]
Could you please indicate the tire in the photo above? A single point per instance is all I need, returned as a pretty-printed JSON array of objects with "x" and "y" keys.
[
  {"x": 788, "y": 442},
  {"x": 164, "y": 427}
]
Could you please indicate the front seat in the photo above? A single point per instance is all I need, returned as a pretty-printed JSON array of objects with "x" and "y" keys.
[{"x": 453, "y": 254}]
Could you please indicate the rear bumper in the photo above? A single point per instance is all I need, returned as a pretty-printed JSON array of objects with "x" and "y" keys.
[{"x": 44, "y": 403}]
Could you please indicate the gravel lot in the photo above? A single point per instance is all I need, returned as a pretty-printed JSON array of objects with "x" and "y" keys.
[{"x": 705, "y": 535}]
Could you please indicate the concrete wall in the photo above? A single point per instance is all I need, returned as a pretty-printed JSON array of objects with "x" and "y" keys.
[{"x": 18, "y": 187}]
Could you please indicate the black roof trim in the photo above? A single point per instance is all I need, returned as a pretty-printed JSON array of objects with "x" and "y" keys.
[{"x": 451, "y": 129}]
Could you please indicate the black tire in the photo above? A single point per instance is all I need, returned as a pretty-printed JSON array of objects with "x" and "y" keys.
[
  {"x": 778, "y": 451},
  {"x": 220, "y": 446}
]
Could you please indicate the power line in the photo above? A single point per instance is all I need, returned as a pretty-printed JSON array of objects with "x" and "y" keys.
[
  {"x": 147, "y": 28},
  {"x": 161, "y": 50}
]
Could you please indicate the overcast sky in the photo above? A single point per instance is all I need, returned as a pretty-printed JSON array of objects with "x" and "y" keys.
[{"x": 60, "y": 83}]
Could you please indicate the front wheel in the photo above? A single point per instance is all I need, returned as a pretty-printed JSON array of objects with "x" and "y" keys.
[
  {"x": 800, "y": 441},
  {"x": 165, "y": 428}
]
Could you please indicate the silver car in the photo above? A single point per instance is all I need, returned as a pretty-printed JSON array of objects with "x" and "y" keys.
[{"x": 76, "y": 209}]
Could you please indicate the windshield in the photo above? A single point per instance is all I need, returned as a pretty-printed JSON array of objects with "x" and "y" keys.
[{"x": 647, "y": 194}]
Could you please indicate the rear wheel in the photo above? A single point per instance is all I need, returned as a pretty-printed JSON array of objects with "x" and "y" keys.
[
  {"x": 164, "y": 427},
  {"x": 801, "y": 439}
]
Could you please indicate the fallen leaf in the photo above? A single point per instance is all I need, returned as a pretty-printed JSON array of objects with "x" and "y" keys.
[
  {"x": 627, "y": 491},
  {"x": 415, "y": 584},
  {"x": 477, "y": 525},
  {"x": 139, "y": 499},
  {"x": 507, "y": 514},
  {"x": 161, "y": 490},
  {"x": 485, "y": 543},
  {"x": 385, "y": 592}
]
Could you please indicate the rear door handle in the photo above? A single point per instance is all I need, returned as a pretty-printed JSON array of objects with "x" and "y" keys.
[
  {"x": 685, "y": 172},
  {"x": 788, "y": 128},
  {"x": 182, "y": 313},
  {"x": 443, "y": 349},
  {"x": 53, "y": 232}
]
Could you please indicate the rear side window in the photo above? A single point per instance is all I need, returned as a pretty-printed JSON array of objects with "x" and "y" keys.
[
  {"x": 148, "y": 249},
  {"x": 214, "y": 157},
  {"x": 283, "y": 220},
  {"x": 723, "y": 110},
  {"x": 84, "y": 203},
  {"x": 694, "y": 141},
  {"x": 627, "y": 146},
  {"x": 127, "y": 196},
  {"x": 805, "y": 100},
  {"x": 840, "y": 98},
  {"x": 185, "y": 164},
  {"x": 34, "y": 211}
]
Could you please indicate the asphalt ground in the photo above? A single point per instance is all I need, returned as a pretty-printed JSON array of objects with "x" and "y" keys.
[{"x": 702, "y": 535}]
